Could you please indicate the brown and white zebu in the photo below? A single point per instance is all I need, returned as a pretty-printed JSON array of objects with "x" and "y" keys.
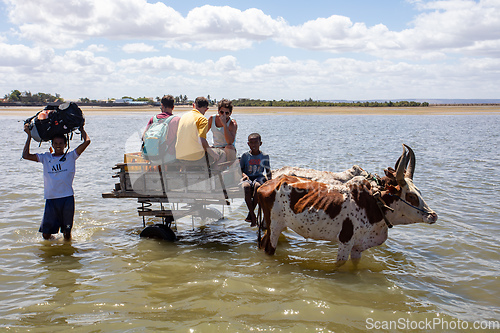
[{"x": 356, "y": 212}]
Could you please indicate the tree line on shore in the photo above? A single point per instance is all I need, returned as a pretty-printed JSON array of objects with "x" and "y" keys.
[
  {"x": 312, "y": 103},
  {"x": 16, "y": 97},
  {"x": 27, "y": 98}
]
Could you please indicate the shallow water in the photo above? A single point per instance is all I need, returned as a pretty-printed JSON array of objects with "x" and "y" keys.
[{"x": 108, "y": 279}]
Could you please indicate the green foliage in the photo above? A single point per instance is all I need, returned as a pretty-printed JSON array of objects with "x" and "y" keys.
[
  {"x": 15, "y": 96},
  {"x": 311, "y": 103},
  {"x": 84, "y": 100},
  {"x": 27, "y": 97},
  {"x": 42, "y": 98},
  {"x": 181, "y": 99}
]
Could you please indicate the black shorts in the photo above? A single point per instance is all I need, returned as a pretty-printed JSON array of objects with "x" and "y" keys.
[
  {"x": 259, "y": 181},
  {"x": 58, "y": 215}
]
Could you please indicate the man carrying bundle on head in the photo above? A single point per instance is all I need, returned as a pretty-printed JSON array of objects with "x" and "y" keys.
[{"x": 58, "y": 174}]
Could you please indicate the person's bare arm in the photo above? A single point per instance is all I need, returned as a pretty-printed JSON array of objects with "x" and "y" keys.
[
  {"x": 207, "y": 148},
  {"x": 209, "y": 126},
  {"x": 26, "y": 151},
  {"x": 204, "y": 143},
  {"x": 229, "y": 130},
  {"x": 86, "y": 142}
]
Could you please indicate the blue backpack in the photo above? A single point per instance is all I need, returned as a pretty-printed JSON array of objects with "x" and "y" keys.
[{"x": 153, "y": 146}]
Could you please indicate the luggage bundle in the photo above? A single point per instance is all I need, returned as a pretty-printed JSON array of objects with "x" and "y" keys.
[{"x": 55, "y": 120}]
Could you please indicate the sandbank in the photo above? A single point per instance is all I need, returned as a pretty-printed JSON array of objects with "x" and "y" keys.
[{"x": 430, "y": 110}]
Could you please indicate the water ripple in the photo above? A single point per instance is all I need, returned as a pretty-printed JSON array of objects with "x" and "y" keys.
[{"x": 215, "y": 278}]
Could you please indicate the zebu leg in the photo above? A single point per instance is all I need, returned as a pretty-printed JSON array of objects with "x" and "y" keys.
[
  {"x": 356, "y": 255},
  {"x": 343, "y": 253},
  {"x": 274, "y": 226},
  {"x": 272, "y": 235}
]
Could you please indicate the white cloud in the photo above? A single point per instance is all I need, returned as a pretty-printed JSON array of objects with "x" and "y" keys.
[
  {"x": 229, "y": 22},
  {"x": 94, "y": 48},
  {"x": 452, "y": 49},
  {"x": 64, "y": 24},
  {"x": 77, "y": 74},
  {"x": 23, "y": 56},
  {"x": 82, "y": 62},
  {"x": 225, "y": 65},
  {"x": 454, "y": 26},
  {"x": 158, "y": 64},
  {"x": 175, "y": 66},
  {"x": 211, "y": 45},
  {"x": 442, "y": 27},
  {"x": 224, "y": 44},
  {"x": 138, "y": 48},
  {"x": 344, "y": 78},
  {"x": 335, "y": 33},
  {"x": 179, "y": 46}
]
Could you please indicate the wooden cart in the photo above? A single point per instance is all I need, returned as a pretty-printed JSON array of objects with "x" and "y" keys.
[{"x": 175, "y": 190}]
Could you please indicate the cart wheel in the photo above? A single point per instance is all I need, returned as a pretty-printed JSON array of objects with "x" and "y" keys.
[
  {"x": 159, "y": 231},
  {"x": 210, "y": 213}
]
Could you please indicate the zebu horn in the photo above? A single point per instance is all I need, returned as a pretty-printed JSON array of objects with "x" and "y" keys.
[
  {"x": 411, "y": 167},
  {"x": 400, "y": 169},
  {"x": 397, "y": 162}
]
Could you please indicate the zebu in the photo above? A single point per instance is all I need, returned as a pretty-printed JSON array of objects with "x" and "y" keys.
[{"x": 356, "y": 213}]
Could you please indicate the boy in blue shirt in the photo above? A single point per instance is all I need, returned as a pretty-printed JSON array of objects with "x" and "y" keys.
[{"x": 256, "y": 170}]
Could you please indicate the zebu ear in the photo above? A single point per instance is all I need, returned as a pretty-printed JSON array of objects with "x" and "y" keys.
[
  {"x": 400, "y": 168},
  {"x": 390, "y": 172},
  {"x": 392, "y": 189}
]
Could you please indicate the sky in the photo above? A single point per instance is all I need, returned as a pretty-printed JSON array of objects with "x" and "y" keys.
[{"x": 274, "y": 49}]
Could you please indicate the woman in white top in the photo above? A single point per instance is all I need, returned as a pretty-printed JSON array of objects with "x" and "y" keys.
[{"x": 224, "y": 129}]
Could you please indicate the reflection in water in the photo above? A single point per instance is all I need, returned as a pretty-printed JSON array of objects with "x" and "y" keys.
[
  {"x": 60, "y": 268},
  {"x": 214, "y": 278}
]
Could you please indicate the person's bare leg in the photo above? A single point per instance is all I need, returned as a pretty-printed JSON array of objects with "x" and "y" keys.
[
  {"x": 253, "y": 217},
  {"x": 247, "y": 189}
]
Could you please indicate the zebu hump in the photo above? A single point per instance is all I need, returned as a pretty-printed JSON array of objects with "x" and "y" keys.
[{"x": 326, "y": 177}]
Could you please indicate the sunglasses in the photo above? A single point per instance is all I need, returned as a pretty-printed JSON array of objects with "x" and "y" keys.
[{"x": 225, "y": 112}]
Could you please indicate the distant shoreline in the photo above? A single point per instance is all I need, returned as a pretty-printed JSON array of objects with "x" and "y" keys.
[{"x": 333, "y": 110}]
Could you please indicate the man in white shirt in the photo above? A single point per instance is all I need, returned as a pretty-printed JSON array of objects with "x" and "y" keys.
[{"x": 58, "y": 174}]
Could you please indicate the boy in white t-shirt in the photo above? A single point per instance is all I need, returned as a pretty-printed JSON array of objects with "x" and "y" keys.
[{"x": 58, "y": 174}]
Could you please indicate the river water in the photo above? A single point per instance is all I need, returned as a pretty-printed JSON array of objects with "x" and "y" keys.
[{"x": 108, "y": 279}]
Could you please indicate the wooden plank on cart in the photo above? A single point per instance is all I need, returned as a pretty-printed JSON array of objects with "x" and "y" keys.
[{"x": 157, "y": 213}]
